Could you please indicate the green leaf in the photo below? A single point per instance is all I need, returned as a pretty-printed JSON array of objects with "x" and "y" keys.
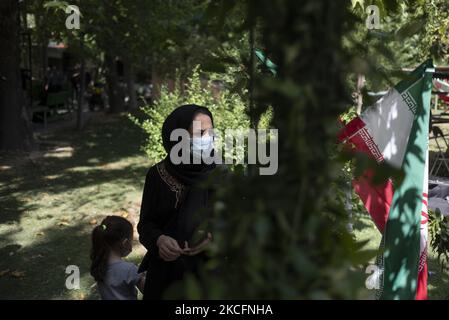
[
  {"x": 57, "y": 4},
  {"x": 360, "y": 3},
  {"x": 410, "y": 29}
]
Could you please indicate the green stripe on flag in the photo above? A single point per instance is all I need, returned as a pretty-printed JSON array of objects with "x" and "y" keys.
[
  {"x": 413, "y": 76},
  {"x": 402, "y": 232},
  {"x": 267, "y": 62}
]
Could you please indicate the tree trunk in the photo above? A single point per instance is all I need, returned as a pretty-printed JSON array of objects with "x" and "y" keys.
[
  {"x": 13, "y": 126},
  {"x": 115, "y": 103},
  {"x": 156, "y": 81},
  {"x": 44, "y": 50},
  {"x": 79, "y": 118},
  {"x": 360, "y": 84},
  {"x": 130, "y": 85}
]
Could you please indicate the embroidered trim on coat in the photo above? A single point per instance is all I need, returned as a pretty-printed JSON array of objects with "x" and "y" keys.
[{"x": 172, "y": 183}]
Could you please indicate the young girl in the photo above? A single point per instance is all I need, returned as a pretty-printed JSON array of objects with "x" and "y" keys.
[{"x": 116, "y": 279}]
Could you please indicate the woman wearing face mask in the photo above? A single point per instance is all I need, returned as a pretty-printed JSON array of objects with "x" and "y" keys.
[{"x": 175, "y": 203}]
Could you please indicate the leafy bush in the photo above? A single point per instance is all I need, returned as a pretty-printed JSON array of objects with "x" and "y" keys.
[
  {"x": 439, "y": 236},
  {"x": 228, "y": 110}
]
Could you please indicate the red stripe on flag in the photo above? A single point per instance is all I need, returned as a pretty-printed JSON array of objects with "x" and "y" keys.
[
  {"x": 444, "y": 97},
  {"x": 376, "y": 198},
  {"x": 350, "y": 129},
  {"x": 421, "y": 291},
  {"x": 426, "y": 217}
]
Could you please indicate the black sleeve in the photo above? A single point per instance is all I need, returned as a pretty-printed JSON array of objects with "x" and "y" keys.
[{"x": 148, "y": 226}]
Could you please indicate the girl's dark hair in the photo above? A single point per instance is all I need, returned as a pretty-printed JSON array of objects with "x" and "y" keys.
[{"x": 105, "y": 237}]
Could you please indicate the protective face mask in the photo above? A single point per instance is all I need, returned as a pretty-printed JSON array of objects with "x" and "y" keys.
[{"x": 203, "y": 145}]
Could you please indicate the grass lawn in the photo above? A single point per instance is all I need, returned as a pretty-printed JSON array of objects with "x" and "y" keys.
[{"x": 52, "y": 198}]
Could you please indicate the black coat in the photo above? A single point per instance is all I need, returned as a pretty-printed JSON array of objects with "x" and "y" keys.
[{"x": 176, "y": 210}]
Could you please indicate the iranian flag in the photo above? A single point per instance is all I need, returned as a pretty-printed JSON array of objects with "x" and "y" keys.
[{"x": 395, "y": 130}]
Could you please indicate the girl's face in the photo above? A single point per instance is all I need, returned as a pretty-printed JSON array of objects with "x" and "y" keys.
[
  {"x": 206, "y": 124},
  {"x": 127, "y": 247}
]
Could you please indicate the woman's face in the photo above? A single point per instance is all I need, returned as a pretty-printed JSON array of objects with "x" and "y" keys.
[{"x": 206, "y": 124}]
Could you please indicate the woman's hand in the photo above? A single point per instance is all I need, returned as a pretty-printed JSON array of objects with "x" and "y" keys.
[
  {"x": 197, "y": 249},
  {"x": 169, "y": 249}
]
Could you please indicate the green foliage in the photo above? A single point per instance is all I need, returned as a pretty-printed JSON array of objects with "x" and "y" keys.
[
  {"x": 436, "y": 38},
  {"x": 439, "y": 236},
  {"x": 227, "y": 107},
  {"x": 61, "y": 5},
  {"x": 348, "y": 115},
  {"x": 153, "y": 125},
  {"x": 284, "y": 236}
]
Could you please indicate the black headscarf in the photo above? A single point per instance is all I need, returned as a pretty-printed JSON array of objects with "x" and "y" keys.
[{"x": 182, "y": 118}]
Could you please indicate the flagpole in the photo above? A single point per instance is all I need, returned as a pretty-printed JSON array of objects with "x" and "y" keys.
[{"x": 438, "y": 72}]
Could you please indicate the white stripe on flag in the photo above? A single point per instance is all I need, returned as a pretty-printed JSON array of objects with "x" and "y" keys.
[{"x": 389, "y": 122}]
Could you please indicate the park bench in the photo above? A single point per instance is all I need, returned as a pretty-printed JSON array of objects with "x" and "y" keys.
[{"x": 57, "y": 105}]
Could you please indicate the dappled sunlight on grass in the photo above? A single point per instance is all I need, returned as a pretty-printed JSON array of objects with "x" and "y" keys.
[
  {"x": 63, "y": 152},
  {"x": 51, "y": 201}
]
